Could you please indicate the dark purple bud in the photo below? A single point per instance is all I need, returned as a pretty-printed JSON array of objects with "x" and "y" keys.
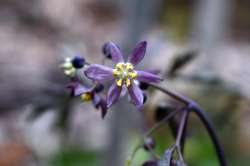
[
  {"x": 78, "y": 62},
  {"x": 143, "y": 86},
  {"x": 144, "y": 98},
  {"x": 150, "y": 163},
  {"x": 98, "y": 88},
  {"x": 149, "y": 143},
  {"x": 106, "y": 50},
  {"x": 104, "y": 109}
]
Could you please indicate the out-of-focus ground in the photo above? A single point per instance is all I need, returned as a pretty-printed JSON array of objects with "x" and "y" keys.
[{"x": 35, "y": 36}]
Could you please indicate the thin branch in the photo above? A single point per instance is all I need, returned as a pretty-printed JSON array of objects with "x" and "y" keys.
[
  {"x": 183, "y": 138},
  {"x": 159, "y": 124},
  {"x": 203, "y": 117},
  {"x": 180, "y": 134},
  {"x": 153, "y": 153},
  {"x": 149, "y": 133},
  {"x": 181, "y": 127}
]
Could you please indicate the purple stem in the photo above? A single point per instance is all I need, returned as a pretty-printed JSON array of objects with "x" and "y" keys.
[
  {"x": 181, "y": 128},
  {"x": 183, "y": 138}
]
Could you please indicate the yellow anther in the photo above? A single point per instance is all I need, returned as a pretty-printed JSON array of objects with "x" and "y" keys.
[
  {"x": 116, "y": 72},
  {"x": 124, "y": 74},
  {"x": 119, "y": 82},
  {"x": 127, "y": 82},
  {"x": 129, "y": 67},
  {"x": 132, "y": 75},
  {"x": 86, "y": 96},
  {"x": 119, "y": 66}
]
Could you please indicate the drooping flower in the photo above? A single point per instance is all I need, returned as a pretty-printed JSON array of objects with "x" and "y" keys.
[
  {"x": 89, "y": 94},
  {"x": 123, "y": 75}
]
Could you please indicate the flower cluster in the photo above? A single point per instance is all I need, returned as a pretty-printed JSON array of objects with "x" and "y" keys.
[{"x": 123, "y": 77}]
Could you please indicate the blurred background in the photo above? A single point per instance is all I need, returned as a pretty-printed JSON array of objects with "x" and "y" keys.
[{"x": 201, "y": 47}]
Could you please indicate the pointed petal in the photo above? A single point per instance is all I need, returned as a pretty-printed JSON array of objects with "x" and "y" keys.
[
  {"x": 138, "y": 53},
  {"x": 99, "y": 73},
  {"x": 104, "y": 109},
  {"x": 135, "y": 94},
  {"x": 96, "y": 100},
  {"x": 115, "y": 52},
  {"x": 147, "y": 77},
  {"x": 124, "y": 91},
  {"x": 77, "y": 89},
  {"x": 113, "y": 94},
  {"x": 101, "y": 103}
]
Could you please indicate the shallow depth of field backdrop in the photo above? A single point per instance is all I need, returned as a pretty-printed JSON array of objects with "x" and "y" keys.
[{"x": 41, "y": 125}]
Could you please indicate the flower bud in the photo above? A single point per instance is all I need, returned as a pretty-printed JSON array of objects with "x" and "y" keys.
[
  {"x": 149, "y": 143},
  {"x": 106, "y": 50},
  {"x": 78, "y": 62}
]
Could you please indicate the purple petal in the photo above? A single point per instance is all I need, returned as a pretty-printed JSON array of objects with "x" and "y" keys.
[
  {"x": 135, "y": 94},
  {"x": 104, "y": 109},
  {"x": 99, "y": 102},
  {"x": 99, "y": 73},
  {"x": 115, "y": 52},
  {"x": 96, "y": 100},
  {"x": 77, "y": 89},
  {"x": 113, "y": 94},
  {"x": 124, "y": 91},
  {"x": 138, "y": 53},
  {"x": 147, "y": 77}
]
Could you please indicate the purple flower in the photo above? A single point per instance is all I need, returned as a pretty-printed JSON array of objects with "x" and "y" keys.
[
  {"x": 89, "y": 94},
  {"x": 123, "y": 75}
]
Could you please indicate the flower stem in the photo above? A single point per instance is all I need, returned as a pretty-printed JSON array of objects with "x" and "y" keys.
[
  {"x": 183, "y": 138},
  {"x": 180, "y": 134},
  {"x": 181, "y": 128},
  {"x": 210, "y": 129},
  {"x": 202, "y": 116},
  {"x": 159, "y": 124}
]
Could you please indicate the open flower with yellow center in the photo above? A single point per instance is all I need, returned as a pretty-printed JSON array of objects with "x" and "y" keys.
[{"x": 123, "y": 74}]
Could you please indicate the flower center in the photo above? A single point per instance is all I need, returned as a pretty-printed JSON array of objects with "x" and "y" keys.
[
  {"x": 86, "y": 96},
  {"x": 124, "y": 73}
]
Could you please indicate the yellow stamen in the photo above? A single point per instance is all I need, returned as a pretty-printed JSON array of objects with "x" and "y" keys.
[
  {"x": 86, "y": 96},
  {"x": 124, "y": 73},
  {"x": 119, "y": 82}
]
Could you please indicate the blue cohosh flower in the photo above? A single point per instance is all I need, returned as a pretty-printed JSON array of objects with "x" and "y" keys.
[
  {"x": 123, "y": 75},
  {"x": 89, "y": 94}
]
